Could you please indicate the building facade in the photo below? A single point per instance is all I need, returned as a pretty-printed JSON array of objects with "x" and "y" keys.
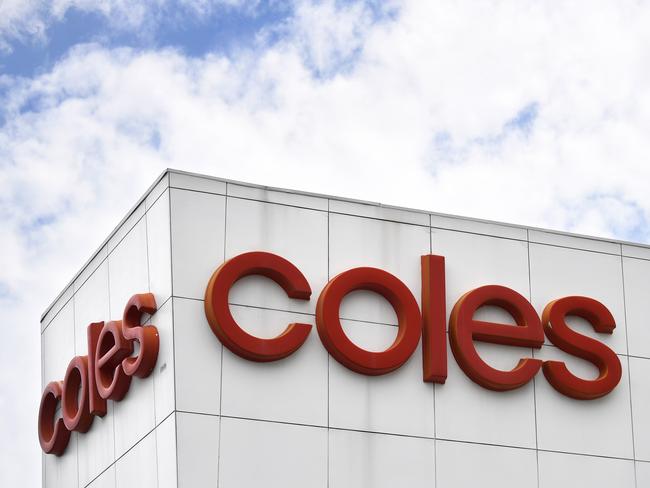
[{"x": 205, "y": 416}]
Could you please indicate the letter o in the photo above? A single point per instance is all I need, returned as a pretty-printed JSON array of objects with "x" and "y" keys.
[
  {"x": 337, "y": 342},
  {"x": 74, "y": 402}
]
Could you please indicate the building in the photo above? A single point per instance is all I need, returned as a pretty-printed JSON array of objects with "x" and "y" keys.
[{"x": 206, "y": 416}]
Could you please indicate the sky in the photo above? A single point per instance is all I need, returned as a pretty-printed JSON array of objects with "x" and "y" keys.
[{"x": 529, "y": 112}]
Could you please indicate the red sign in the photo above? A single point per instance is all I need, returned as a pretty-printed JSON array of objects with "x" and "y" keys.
[
  {"x": 105, "y": 373},
  {"x": 429, "y": 323}
]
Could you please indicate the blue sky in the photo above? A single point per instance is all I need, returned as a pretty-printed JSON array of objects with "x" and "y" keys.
[
  {"x": 220, "y": 31},
  {"x": 527, "y": 112}
]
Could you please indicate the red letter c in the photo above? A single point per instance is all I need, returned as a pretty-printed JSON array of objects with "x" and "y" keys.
[
  {"x": 53, "y": 436},
  {"x": 222, "y": 322}
]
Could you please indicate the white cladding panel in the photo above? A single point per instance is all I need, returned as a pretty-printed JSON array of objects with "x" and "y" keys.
[{"x": 206, "y": 417}]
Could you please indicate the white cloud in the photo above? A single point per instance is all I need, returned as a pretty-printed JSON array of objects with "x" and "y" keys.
[
  {"x": 422, "y": 117},
  {"x": 330, "y": 33}
]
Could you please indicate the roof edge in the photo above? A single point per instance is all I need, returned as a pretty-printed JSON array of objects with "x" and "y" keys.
[{"x": 168, "y": 171}]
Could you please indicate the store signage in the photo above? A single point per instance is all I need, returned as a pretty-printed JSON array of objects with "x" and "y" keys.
[
  {"x": 429, "y": 323},
  {"x": 113, "y": 358},
  {"x": 104, "y": 374}
]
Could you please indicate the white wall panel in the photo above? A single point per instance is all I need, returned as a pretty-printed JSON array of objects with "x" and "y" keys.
[
  {"x": 197, "y": 359},
  {"x": 96, "y": 447},
  {"x": 393, "y": 247},
  {"x": 198, "y": 450},
  {"x": 635, "y": 251},
  {"x": 559, "y": 469},
  {"x": 91, "y": 305},
  {"x": 61, "y": 471},
  {"x": 642, "y": 474},
  {"x": 378, "y": 212},
  {"x": 197, "y": 224},
  {"x": 89, "y": 268},
  {"x": 556, "y": 272},
  {"x": 159, "y": 249},
  {"x": 600, "y": 427},
  {"x": 105, "y": 480},
  {"x": 474, "y": 260},
  {"x": 636, "y": 273},
  {"x": 56, "y": 306},
  {"x": 465, "y": 224},
  {"x": 57, "y": 345},
  {"x": 573, "y": 241},
  {"x": 131, "y": 220},
  {"x": 128, "y": 269},
  {"x": 398, "y": 402},
  {"x": 464, "y": 465},
  {"x": 156, "y": 191},
  {"x": 166, "y": 453},
  {"x": 274, "y": 196},
  {"x": 364, "y": 460},
  {"x": 296, "y": 234},
  {"x": 197, "y": 183},
  {"x": 466, "y": 411},
  {"x": 134, "y": 414},
  {"x": 138, "y": 467},
  {"x": 163, "y": 374},
  {"x": 293, "y": 389},
  {"x": 272, "y": 455},
  {"x": 639, "y": 378}
]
